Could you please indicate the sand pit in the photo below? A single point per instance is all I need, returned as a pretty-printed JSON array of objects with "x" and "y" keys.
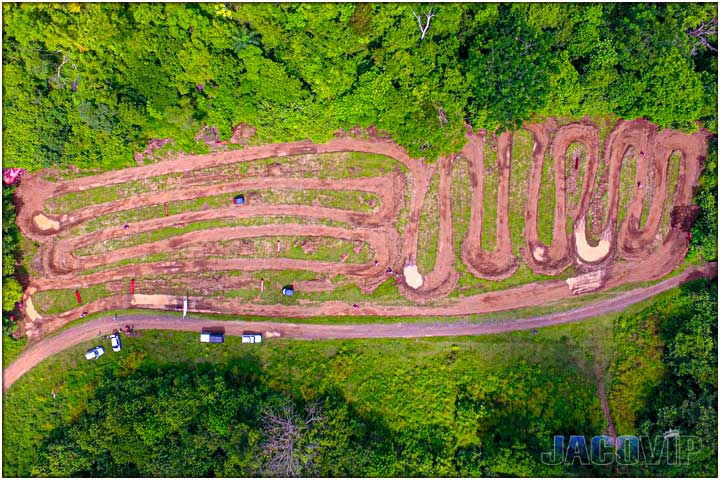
[
  {"x": 539, "y": 253},
  {"x": 412, "y": 276},
  {"x": 154, "y": 300},
  {"x": 588, "y": 253},
  {"x": 30, "y": 310},
  {"x": 44, "y": 223}
]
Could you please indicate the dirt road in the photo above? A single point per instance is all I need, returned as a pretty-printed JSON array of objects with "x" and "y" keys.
[{"x": 87, "y": 331}]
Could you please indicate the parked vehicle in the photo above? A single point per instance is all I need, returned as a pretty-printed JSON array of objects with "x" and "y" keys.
[
  {"x": 239, "y": 200},
  {"x": 251, "y": 338},
  {"x": 115, "y": 342},
  {"x": 212, "y": 337},
  {"x": 288, "y": 291},
  {"x": 94, "y": 353}
]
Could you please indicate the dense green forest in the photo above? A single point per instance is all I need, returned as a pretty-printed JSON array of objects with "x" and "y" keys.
[
  {"x": 665, "y": 375},
  {"x": 11, "y": 288},
  {"x": 86, "y": 84}
]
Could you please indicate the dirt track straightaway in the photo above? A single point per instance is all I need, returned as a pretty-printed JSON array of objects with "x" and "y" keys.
[
  {"x": 633, "y": 251},
  {"x": 87, "y": 331}
]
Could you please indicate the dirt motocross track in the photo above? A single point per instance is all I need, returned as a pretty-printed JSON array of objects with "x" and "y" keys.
[{"x": 626, "y": 252}]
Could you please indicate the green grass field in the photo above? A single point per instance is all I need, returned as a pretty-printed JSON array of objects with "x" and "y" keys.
[
  {"x": 389, "y": 379},
  {"x": 429, "y": 227},
  {"x": 490, "y": 180},
  {"x": 522, "y": 147}
]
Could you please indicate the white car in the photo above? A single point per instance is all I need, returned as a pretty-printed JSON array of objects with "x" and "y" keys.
[
  {"x": 252, "y": 338},
  {"x": 94, "y": 353},
  {"x": 115, "y": 342}
]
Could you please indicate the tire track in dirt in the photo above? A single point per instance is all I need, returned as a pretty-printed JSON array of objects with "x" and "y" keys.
[
  {"x": 500, "y": 263},
  {"x": 49, "y": 346},
  {"x": 386, "y": 187},
  {"x": 65, "y": 264},
  {"x": 628, "y": 240},
  {"x": 64, "y": 261},
  {"x": 635, "y": 242},
  {"x": 650, "y": 262},
  {"x": 36, "y": 191},
  {"x": 443, "y": 278}
]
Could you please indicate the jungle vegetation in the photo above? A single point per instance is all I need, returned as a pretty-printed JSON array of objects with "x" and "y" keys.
[{"x": 86, "y": 84}]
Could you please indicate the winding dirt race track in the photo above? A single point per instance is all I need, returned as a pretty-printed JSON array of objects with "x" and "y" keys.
[
  {"x": 637, "y": 249},
  {"x": 87, "y": 331}
]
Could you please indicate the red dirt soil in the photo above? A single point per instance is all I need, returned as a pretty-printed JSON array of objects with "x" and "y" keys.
[{"x": 645, "y": 259}]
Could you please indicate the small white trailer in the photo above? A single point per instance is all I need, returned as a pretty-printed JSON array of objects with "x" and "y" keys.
[{"x": 251, "y": 338}]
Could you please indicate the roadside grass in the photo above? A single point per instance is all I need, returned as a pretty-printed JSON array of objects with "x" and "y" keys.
[
  {"x": 386, "y": 378},
  {"x": 11, "y": 349},
  {"x": 52, "y": 302},
  {"x": 429, "y": 227},
  {"x": 490, "y": 180},
  {"x": 385, "y": 294}
]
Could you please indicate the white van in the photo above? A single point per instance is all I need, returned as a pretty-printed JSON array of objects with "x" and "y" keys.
[
  {"x": 115, "y": 342},
  {"x": 251, "y": 338}
]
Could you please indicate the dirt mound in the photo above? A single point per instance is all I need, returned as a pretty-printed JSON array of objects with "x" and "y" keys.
[
  {"x": 586, "y": 283},
  {"x": 241, "y": 133},
  {"x": 683, "y": 217}
]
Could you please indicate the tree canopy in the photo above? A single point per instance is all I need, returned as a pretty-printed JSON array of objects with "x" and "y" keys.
[{"x": 86, "y": 84}]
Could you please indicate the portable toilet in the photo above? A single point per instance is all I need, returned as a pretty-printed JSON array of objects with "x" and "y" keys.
[
  {"x": 288, "y": 291},
  {"x": 239, "y": 199}
]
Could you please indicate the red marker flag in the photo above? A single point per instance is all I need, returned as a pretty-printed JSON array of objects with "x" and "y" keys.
[
  {"x": 78, "y": 297},
  {"x": 132, "y": 286}
]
